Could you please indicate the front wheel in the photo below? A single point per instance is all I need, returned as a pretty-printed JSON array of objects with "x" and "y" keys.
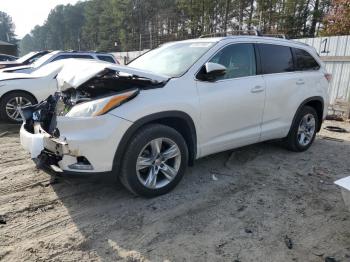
[
  {"x": 303, "y": 132},
  {"x": 155, "y": 161}
]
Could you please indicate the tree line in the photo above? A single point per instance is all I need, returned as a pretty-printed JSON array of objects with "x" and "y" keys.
[
  {"x": 7, "y": 29},
  {"x": 127, "y": 25}
]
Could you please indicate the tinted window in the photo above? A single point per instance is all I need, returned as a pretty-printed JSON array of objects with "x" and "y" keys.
[
  {"x": 275, "y": 59},
  {"x": 60, "y": 57},
  {"x": 239, "y": 60},
  {"x": 106, "y": 58},
  {"x": 7, "y": 58},
  {"x": 82, "y": 56},
  {"x": 305, "y": 61}
]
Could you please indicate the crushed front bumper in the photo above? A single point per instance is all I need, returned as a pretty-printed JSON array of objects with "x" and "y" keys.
[{"x": 85, "y": 145}]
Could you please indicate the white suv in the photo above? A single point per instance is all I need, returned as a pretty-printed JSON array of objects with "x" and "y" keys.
[{"x": 184, "y": 100}]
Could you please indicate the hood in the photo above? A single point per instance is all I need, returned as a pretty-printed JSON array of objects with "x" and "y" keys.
[
  {"x": 15, "y": 68},
  {"x": 49, "y": 70},
  {"x": 14, "y": 76},
  {"x": 10, "y": 63},
  {"x": 77, "y": 72}
]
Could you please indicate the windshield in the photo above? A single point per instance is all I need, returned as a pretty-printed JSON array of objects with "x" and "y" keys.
[
  {"x": 42, "y": 60},
  {"x": 172, "y": 59},
  {"x": 25, "y": 57}
]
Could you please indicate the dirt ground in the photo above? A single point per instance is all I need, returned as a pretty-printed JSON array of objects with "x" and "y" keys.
[{"x": 258, "y": 203}]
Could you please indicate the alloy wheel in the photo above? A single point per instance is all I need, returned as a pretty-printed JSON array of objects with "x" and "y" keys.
[
  {"x": 306, "y": 129},
  {"x": 158, "y": 163},
  {"x": 13, "y": 105}
]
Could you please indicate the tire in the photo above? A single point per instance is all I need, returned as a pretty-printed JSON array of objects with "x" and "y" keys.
[
  {"x": 135, "y": 175},
  {"x": 13, "y": 98},
  {"x": 295, "y": 136}
]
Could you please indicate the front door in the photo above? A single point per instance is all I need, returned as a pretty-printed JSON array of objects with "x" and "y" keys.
[{"x": 232, "y": 106}]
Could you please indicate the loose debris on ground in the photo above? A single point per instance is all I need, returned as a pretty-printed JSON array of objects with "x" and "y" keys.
[{"x": 266, "y": 204}]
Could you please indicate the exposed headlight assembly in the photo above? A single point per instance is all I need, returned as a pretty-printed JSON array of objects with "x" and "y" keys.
[{"x": 101, "y": 106}]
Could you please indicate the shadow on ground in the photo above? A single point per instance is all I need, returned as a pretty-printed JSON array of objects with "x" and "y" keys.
[
  {"x": 257, "y": 203},
  {"x": 241, "y": 205}
]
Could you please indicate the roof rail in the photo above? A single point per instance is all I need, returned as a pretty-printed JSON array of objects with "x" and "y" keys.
[
  {"x": 243, "y": 32},
  {"x": 231, "y": 33},
  {"x": 275, "y": 35}
]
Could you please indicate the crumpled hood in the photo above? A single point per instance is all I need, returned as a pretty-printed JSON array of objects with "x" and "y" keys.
[{"x": 77, "y": 72}]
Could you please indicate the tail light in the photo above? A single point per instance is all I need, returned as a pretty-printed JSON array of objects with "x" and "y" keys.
[{"x": 328, "y": 77}]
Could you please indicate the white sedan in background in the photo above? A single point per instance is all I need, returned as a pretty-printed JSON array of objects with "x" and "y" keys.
[
  {"x": 19, "y": 89},
  {"x": 60, "y": 55}
]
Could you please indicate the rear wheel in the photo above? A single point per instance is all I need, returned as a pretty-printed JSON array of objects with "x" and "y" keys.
[
  {"x": 155, "y": 161},
  {"x": 303, "y": 131},
  {"x": 10, "y": 104}
]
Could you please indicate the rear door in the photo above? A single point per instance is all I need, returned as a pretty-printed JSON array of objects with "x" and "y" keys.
[
  {"x": 232, "y": 106},
  {"x": 283, "y": 89},
  {"x": 309, "y": 72}
]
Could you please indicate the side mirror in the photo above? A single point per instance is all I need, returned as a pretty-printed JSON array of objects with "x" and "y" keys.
[{"x": 211, "y": 71}]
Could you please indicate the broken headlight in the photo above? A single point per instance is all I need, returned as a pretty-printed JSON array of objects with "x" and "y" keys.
[{"x": 102, "y": 105}]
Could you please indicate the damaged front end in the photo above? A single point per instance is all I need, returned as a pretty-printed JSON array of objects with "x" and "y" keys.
[{"x": 60, "y": 132}]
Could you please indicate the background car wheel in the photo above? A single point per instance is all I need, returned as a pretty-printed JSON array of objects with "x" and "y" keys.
[
  {"x": 155, "y": 161},
  {"x": 11, "y": 102},
  {"x": 303, "y": 131}
]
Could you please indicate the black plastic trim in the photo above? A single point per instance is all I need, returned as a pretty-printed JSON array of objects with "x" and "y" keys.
[{"x": 257, "y": 59}]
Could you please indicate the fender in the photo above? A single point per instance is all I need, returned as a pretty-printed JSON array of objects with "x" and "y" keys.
[
  {"x": 157, "y": 118},
  {"x": 313, "y": 98}
]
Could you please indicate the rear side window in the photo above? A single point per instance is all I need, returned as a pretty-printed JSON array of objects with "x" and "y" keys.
[
  {"x": 275, "y": 59},
  {"x": 106, "y": 58},
  {"x": 82, "y": 56},
  {"x": 305, "y": 61}
]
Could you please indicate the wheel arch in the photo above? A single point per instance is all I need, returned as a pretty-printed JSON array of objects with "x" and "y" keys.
[
  {"x": 18, "y": 90},
  {"x": 316, "y": 102},
  {"x": 178, "y": 120}
]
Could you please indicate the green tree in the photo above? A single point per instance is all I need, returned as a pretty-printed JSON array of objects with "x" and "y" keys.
[
  {"x": 142, "y": 24},
  {"x": 7, "y": 28}
]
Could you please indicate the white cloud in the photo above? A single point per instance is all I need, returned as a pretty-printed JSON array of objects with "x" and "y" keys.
[{"x": 28, "y": 13}]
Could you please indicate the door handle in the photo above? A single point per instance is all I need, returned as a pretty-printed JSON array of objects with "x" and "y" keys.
[
  {"x": 257, "y": 89},
  {"x": 300, "y": 82}
]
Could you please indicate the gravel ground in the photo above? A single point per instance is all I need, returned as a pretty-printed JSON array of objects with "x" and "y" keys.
[{"x": 257, "y": 203}]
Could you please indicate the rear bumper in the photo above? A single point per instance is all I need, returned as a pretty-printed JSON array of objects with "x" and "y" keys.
[{"x": 85, "y": 145}]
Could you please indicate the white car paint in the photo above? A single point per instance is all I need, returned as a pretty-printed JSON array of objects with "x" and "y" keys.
[
  {"x": 39, "y": 84},
  {"x": 226, "y": 114},
  {"x": 77, "y": 71},
  {"x": 53, "y": 57}
]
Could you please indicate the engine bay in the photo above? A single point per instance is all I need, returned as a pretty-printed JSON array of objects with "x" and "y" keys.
[{"x": 107, "y": 83}]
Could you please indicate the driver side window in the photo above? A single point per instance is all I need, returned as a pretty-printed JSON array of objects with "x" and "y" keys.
[{"x": 239, "y": 60}]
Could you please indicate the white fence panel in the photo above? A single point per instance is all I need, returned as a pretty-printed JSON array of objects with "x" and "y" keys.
[{"x": 335, "y": 51}]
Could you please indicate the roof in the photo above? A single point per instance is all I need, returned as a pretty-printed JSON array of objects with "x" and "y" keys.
[
  {"x": 77, "y": 52},
  {"x": 5, "y": 43},
  {"x": 249, "y": 38}
]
